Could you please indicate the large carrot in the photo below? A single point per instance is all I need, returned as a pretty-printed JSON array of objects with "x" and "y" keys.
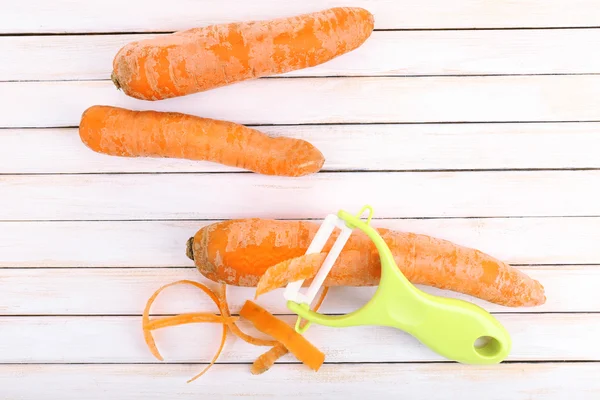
[
  {"x": 121, "y": 132},
  {"x": 238, "y": 252},
  {"x": 203, "y": 58}
]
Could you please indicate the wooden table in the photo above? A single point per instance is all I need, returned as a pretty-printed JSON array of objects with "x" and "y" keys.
[{"x": 476, "y": 121}]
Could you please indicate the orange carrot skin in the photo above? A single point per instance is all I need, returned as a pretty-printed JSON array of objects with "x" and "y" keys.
[
  {"x": 203, "y": 58},
  {"x": 238, "y": 252},
  {"x": 283, "y": 333},
  {"x": 121, "y": 132}
]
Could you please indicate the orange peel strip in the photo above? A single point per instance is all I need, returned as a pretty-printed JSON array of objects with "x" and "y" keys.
[
  {"x": 282, "y": 332},
  {"x": 224, "y": 306},
  {"x": 266, "y": 360},
  {"x": 148, "y": 330},
  {"x": 291, "y": 270},
  {"x": 188, "y": 318}
]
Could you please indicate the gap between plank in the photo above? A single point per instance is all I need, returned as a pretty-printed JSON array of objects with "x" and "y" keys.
[
  {"x": 339, "y": 77},
  {"x": 524, "y": 28},
  {"x": 326, "y": 171},
  {"x": 305, "y": 219},
  {"x": 351, "y": 123},
  {"x": 297, "y": 363}
]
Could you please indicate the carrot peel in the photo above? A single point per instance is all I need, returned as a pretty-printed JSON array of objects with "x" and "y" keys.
[
  {"x": 233, "y": 326},
  {"x": 148, "y": 325},
  {"x": 266, "y": 360},
  {"x": 285, "y": 334}
]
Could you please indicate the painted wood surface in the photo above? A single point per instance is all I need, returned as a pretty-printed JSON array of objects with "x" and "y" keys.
[
  {"x": 552, "y": 381},
  {"x": 471, "y": 120},
  {"x": 329, "y": 100},
  {"x": 123, "y": 291},
  {"x": 142, "y": 16},
  {"x": 368, "y": 147},
  {"x": 392, "y": 194}
]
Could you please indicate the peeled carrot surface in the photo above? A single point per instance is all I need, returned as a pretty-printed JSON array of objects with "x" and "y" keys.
[
  {"x": 285, "y": 334},
  {"x": 239, "y": 252},
  {"x": 203, "y": 58},
  {"x": 126, "y": 133}
]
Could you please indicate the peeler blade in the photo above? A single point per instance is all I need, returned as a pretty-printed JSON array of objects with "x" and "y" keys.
[{"x": 292, "y": 291}]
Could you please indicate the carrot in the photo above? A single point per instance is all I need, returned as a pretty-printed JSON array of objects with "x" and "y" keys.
[
  {"x": 266, "y": 360},
  {"x": 203, "y": 58},
  {"x": 239, "y": 252},
  {"x": 285, "y": 334},
  {"x": 121, "y": 132}
]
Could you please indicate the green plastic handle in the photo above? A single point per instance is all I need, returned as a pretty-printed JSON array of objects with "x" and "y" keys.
[{"x": 450, "y": 327}]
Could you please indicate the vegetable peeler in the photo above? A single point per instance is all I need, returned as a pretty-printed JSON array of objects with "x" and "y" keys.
[{"x": 455, "y": 329}]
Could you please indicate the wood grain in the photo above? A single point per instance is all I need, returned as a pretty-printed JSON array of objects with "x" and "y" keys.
[
  {"x": 335, "y": 100},
  {"x": 162, "y": 243},
  {"x": 116, "y": 291},
  {"x": 207, "y": 196},
  {"x": 548, "y": 337},
  {"x": 560, "y": 51},
  {"x": 152, "y": 15},
  {"x": 345, "y": 147},
  {"x": 552, "y": 381}
]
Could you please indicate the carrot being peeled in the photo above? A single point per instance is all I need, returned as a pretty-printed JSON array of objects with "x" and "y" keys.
[
  {"x": 239, "y": 252},
  {"x": 203, "y": 58},
  {"x": 127, "y": 133}
]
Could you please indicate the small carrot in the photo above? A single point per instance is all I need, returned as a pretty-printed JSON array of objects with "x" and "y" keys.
[
  {"x": 121, "y": 132},
  {"x": 285, "y": 334},
  {"x": 203, "y": 58},
  {"x": 239, "y": 252}
]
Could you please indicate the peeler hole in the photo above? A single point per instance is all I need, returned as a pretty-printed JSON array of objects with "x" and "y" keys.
[{"x": 487, "y": 346}]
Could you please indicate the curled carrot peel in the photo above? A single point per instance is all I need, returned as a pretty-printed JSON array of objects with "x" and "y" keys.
[
  {"x": 285, "y": 334},
  {"x": 266, "y": 360},
  {"x": 188, "y": 318},
  {"x": 311, "y": 355},
  {"x": 287, "y": 271},
  {"x": 181, "y": 319}
]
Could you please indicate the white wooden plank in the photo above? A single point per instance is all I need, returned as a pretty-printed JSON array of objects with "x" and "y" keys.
[
  {"x": 241, "y": 195},
  {"x": 547, "y": 337},
  {"x": 152, "y": 15},
  {"x": 114, "y": 291},
  {"x": 317, "y": 100},
  {"x": 162, "y": 243},
  {"x": 345, "y": 147},
  {"x": 556, "y": 381},
  {"x": 557, "y": 51}
]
